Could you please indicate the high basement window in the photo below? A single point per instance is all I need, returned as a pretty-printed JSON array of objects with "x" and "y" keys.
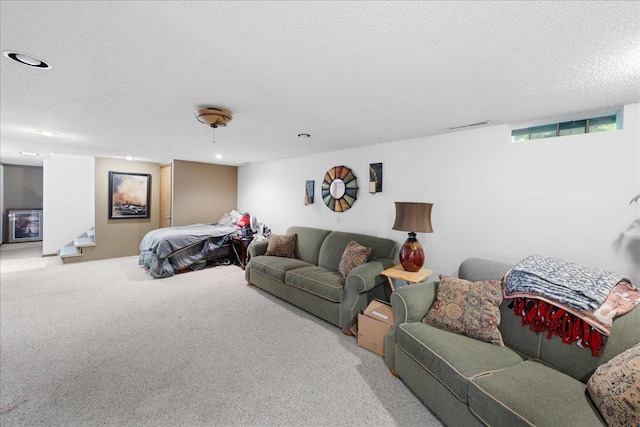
[{"x": 596, "y": 124}]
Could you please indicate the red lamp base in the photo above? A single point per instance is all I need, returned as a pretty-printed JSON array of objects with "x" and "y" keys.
[{"x": 411, "y": 254}]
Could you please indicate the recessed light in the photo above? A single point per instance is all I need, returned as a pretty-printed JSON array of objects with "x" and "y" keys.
[
  {"x": 26, "y": 153},
  {"x": 218, "y": 156},
  {"x": 48, "y": 133},
  {"x": 26, "y": 59},
  {"x": 128, "y": 158}
]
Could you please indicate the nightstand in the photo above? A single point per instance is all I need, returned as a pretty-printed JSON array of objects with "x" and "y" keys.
[
  {"x": 397, "y": 272},
  {"x": 239, "y": 247}
]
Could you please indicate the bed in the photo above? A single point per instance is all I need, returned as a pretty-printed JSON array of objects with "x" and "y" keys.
[{"x": 171, "y": 250}]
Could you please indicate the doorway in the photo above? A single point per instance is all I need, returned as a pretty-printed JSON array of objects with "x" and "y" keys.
[{"x": 165, "y": 195}]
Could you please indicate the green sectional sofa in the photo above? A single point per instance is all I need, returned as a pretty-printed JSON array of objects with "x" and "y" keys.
[
  {"x": 531, "y": 381},
  {"x": 311, "y": 280}
]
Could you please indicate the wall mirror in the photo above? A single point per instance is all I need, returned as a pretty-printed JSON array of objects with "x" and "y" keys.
[{"x": 339, "y": 188}]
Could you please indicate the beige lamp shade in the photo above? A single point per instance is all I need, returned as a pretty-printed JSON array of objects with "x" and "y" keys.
[{"x": 413, "y": 217}]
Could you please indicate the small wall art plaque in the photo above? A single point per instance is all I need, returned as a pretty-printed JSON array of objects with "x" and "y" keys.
[
  {"x": 308, "y": 192},
  {"x": 375, "y": 178}
]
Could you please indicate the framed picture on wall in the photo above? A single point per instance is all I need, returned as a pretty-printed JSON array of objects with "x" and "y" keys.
[
  {"x": 25, "y": 225},
  {"x": 308, "y": 192},
  {"x": 129, "y": 195}
]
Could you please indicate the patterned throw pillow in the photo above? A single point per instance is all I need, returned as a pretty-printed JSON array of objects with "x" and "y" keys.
[
  {"x": 281, "y": 245},
  {"x": 615, "y": 388},
  {"x": 354, "y": 255},
  {"x": 468, "y": 308}
]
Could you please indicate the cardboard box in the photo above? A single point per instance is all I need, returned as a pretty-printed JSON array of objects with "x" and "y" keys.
[{"x": 374, "y": 324}]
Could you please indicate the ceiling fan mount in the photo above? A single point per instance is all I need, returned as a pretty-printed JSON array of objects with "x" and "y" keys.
[{"x": 214, "y": 117}]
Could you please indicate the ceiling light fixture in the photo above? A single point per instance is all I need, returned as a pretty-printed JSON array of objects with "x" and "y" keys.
[
  {"x": 214, "y": 117},
  {"x": 48, "y": 133},
  {"x": 25, "y": 59},
  {"x": 218, "y": 156},
  {"x": 26, "y": 153}
]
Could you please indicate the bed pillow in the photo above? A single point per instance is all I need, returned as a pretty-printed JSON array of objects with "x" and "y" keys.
[
  {"x": 237, "y": 216},
  {"x": 226, "y": 219},
  {"x": 468, "y": 308},
  {"x": 281, "y": 245},
  {"x": 354, "y": 255},
  {"x": 614, "y": 388}
]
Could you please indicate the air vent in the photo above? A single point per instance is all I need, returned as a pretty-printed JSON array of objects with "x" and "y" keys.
[{"x": 486, "y": 122}]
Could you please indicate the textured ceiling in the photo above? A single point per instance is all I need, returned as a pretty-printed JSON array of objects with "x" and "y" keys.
[{"x": 127, "y": 77}]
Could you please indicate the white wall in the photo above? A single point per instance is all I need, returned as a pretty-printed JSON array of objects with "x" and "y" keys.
[
  {"x": 566, "y": 197},
  {"x": 68, "y": 200}
]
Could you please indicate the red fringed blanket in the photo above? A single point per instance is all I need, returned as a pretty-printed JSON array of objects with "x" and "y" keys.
[{"x": 585, "y": 328}]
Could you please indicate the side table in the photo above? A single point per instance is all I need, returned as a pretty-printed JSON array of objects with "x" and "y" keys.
[
  {"x": 241, "y": 243},
  {"x": 397, "y": 272}
]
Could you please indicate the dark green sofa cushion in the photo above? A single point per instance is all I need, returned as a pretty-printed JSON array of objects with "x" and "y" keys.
[
  {"x": 308, "y": 242},
  {"x": 276, "y": 267},
  {"x": 531, "y": 393},
  {"x": 333, "y": 247},
  {"x": 452, "y": 358},
  {"x": 318, "y": 281}
]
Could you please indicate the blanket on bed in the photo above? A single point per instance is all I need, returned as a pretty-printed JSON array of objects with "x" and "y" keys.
[
  {"x": 166, "y": 241},
  {"x": 566, "y": 299},
  {"x": 166, "y": 250}
]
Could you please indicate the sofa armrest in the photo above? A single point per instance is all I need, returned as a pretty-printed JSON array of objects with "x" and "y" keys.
[
  {"x": 258, "y": 248},
  {"x": 410, "y": 304},
  {"x": 360, "y": 281},
  {"x": 365, "y": 277}
]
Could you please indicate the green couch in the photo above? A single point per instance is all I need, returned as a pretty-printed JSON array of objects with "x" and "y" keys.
[
  {"x": 532, "y": 381},
  {"x": 311, "y": 280}
]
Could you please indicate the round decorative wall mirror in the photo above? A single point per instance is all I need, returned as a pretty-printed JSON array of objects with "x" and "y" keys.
[{"x": 339, "y": 188}]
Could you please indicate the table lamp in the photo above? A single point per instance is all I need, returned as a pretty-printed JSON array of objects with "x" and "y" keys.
[{"x": 414, "y": 218}]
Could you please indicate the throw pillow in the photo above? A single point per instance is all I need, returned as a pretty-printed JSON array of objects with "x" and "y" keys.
[
  {"x": 281, "y": 245},
  {"x": 468, "y": 308},
  {"x": 354, "y": 255},
  {"x": 615, "y": 388}
]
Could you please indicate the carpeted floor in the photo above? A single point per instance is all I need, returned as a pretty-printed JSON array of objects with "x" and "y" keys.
[{"x": 102, "y": 343}]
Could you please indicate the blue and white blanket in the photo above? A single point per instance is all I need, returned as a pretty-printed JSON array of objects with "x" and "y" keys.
[{"x": 572, "y": 284}]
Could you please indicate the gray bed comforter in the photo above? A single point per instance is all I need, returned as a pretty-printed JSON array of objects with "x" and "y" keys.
[{"x": 168, "y": 249}]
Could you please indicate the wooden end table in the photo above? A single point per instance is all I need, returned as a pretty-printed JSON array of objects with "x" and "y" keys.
[
  {"x": 242, "y": 243},
  {"x": 397, "y": 272}
]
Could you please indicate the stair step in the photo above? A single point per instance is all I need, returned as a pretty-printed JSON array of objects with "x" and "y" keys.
[
  {"x": 91, "y": 234},
  {"x": 69, "y": 251},
  {"x": 82, "y": 242}
]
